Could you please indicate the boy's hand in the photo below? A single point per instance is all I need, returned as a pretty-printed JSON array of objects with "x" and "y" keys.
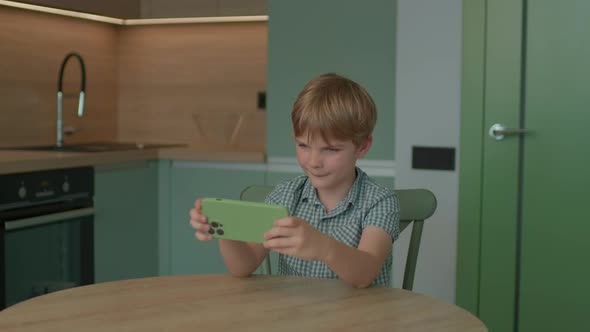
[
  {"x": 295, "y": 237},
  {"x": 199, "y": 222}
]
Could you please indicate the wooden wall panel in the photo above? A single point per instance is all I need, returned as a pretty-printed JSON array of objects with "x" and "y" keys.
[
  {"x": 32, "y": 47},
  {"x": 193, "y": 83}
]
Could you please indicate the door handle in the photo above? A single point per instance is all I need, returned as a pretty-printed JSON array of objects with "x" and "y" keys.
[{"x": 498, "y": 131}]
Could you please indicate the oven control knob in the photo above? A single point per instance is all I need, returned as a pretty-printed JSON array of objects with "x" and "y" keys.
[
  {"x": 65, "y": 187},
  {"x": 22, "y": 192}
]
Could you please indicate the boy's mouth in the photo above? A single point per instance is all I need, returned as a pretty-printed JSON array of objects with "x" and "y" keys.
[{"x": 318, "y": 175}]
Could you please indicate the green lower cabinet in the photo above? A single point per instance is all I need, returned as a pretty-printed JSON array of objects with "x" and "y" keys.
[
  {"x": 179, "y": 184},
  {"x": 275, "y": 178},
  {"x": 386, "y": 181},
  {"x": 189, "y": 181},
  {"x": 126, "y": 221}
]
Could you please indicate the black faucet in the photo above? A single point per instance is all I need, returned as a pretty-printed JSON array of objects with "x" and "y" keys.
[{"x": 60, "y": 133}]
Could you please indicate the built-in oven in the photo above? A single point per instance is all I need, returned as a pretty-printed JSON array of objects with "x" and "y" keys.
[{"x": 46, "y": 233}]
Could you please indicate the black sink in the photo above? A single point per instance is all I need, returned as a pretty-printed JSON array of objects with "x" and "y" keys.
[{"x": 92, "y": 147}]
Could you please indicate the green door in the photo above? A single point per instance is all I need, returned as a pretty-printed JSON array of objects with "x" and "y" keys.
[
  {"x": 529, "y": 217},
  {"x": 555, "y": 251}
]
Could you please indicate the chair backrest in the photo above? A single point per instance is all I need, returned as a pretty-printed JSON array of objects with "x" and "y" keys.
[{"x": 416, "y": 205}]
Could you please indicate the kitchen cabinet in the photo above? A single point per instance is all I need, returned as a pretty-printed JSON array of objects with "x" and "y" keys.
[
  {"x": 111, "y": 8},
  {"x": 126, "y": 221},
  {"x": 187, "y": 182},
  {"x": 274, "y": 178},
  {"x": 160, "y": 8},
  {"x": 142, "y": 223},
  {"x": 184, "y": 8}
]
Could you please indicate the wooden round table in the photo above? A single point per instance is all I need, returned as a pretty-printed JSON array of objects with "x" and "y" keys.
[{"x": 226, "y": 303}]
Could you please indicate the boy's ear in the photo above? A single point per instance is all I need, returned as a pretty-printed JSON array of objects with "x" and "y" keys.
[{"x": 364, "y": 148}]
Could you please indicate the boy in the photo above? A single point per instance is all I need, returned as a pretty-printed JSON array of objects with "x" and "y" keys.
[{"x": 341, "y": 223}]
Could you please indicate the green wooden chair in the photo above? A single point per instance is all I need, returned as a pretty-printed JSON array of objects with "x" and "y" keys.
[{"x": 416, "y": 205}]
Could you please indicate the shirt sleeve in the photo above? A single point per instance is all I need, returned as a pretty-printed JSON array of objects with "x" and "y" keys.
[
  {"x": 275, "y": 196},
  {"x": 384, "y": 214}
]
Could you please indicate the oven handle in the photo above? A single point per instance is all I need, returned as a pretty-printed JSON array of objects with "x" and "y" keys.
[{"x": 48, "y": 218}]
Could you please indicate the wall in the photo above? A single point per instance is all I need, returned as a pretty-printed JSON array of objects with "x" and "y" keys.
[
  {"x": 410, "y": 63},
  {"x": 32, "y": 47},
  {"x": 427, "y": 114},
  {"x": 308, "y": 38}
]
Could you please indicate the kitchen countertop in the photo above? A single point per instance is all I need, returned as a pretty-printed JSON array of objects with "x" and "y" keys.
[{"x": 17, "y": 161}]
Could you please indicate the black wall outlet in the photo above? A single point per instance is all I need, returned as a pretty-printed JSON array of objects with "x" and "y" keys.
[
  {"x": 437, "y": 158},
  {"x": 261, "y": 100}
]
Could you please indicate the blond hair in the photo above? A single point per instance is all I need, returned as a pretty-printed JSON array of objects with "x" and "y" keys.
[{"x": 334, "y": 107}]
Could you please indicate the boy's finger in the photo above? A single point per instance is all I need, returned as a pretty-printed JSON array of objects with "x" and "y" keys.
[
  {"x": 198, "y": 204},
  {"x": 195, "y": 224},
  {"x": 273, "y": 232},
  {"x": 201, "y": 227},
  {"x": 203, "y": 237},
  {"x": 276, "y": 243},
  {"x": 287, "y": 222},
  {"x": 197, "y": 216},
  {"x": 278, "y": 231}
]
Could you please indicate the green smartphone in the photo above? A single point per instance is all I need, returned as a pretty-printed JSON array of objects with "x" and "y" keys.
[{"x": 240, "y": 220}]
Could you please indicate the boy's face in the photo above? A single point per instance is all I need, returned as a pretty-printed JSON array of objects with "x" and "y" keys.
[{"x": 330, "y": 165}]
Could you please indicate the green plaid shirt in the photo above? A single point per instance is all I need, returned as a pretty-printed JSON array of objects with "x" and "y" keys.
[{"x": 367, "y": 204}]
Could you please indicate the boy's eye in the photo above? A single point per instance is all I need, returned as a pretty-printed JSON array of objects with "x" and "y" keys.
[{"x": 332, "y": 149}]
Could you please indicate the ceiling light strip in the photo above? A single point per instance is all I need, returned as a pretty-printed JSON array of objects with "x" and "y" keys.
[
  {"x": 185, "y": 20},
  {"x": 62, "y": 12}
]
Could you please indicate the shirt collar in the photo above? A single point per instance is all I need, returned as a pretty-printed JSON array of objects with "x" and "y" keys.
[
  {"x": 309, "y": 193},
  {"x": 355, "y": 191}
]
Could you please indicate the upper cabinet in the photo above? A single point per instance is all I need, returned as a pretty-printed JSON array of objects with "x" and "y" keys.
[
  {"x": 134, "y": 9},
  {"x": 201, "y": 8},
  {"x": 111, "y": 8}
]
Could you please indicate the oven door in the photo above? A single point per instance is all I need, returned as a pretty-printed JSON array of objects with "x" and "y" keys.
[{"x": 45, "y": 249}]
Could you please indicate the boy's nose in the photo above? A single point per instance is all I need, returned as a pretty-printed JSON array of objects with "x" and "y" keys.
[{"x": 315, "y": 159}]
